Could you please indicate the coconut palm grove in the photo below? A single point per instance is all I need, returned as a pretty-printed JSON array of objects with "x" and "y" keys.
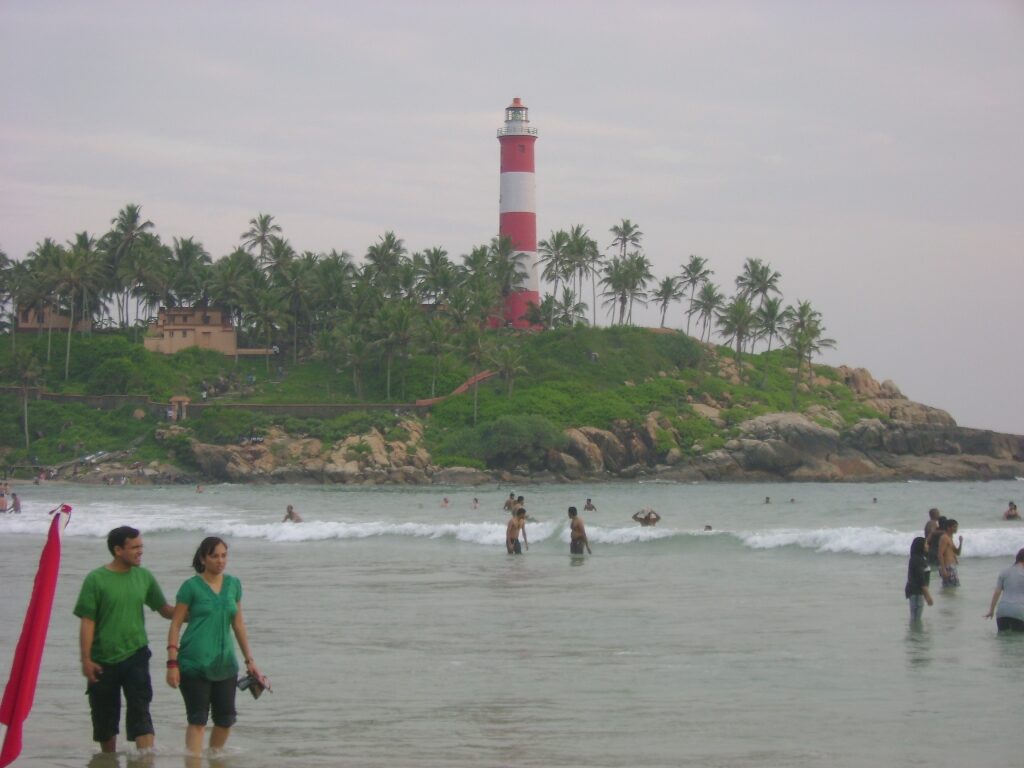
[{"x": 391, "y": 327}]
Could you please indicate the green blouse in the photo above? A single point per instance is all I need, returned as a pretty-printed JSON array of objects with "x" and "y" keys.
[{"x": 208, "y": 647}]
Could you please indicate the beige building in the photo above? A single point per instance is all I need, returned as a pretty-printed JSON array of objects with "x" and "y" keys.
[
  {"x": 47, "y": 318},
  {"x": 178, "y": 328}
]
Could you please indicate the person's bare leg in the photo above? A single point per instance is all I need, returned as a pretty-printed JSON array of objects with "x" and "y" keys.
[
  {"x": 145, "y": 741},
  {"x": 110, "y": 745},
  {"x": 219, "y": 737},
  {"x": 194, "y": 739}
]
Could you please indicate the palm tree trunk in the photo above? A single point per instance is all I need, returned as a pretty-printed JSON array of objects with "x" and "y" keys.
[
  {"x": 24, "y": 415},
  {"x": 593, "y": 290},
  {"x": 71, "y": 328}
]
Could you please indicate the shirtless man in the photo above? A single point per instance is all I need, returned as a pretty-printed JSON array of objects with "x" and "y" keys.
[
  {"x": 948, "y": 555},
  {"x": 577, "y": 534},
  {"x": 589, "y": 506},
  {"x": 1011, "y": 512},
  {"x": 932, "y": 524},
  {"x": 510, "y": 502},
  {"x": 516, "y": 524},
  {"x": 647, "y": 517},
  {"x": 291, "y": 516}
]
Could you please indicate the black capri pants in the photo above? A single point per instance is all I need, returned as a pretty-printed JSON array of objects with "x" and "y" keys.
[
  {"x": 202, "y": 695},
  {"x": 132, "y": 677}
]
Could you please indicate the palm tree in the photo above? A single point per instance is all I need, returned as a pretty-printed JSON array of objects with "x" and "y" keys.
[
  {"x": 627, "y": 235},
  {"x": 435, "y": 272},
  {"x": 45, "y": 266},
  {"x": 383, "y": 258},
  {"x": 770, "y": 320},
  {"x": 475, "y": 348},
  {"x": 616, "y": 285},
  {"x": 435, "y": 340},
  {"x": 509, "y": 362},
  {"x": 804, "y": 335},
  {"x": 394, "y": 335},
  {"x": 128, "y": 227},
  {"x": 71, "y": 275},
  {"x": 26, "y": 370},
  {"x": 506, "y": 265},
  {"x": 707, "y": 303},
  {"x": 191, "y": 270},
  {"x": 567, "y": 311},
  {"x": 555, "y": 257},
  {"x": 357, "y": 350},
  {"x": 264, "y": 315},
  {"x": 668, "y": 290},
  {"x": 585, "y": 259},
  {"x": 638, "y": 269},
  {"x": 758, "y": 279},
  {"x": 695, "y": 274},
  {"x": 736, "y": 323},
  {"x": 294, "y": 281},
  {"x": 261, "y": 229}
]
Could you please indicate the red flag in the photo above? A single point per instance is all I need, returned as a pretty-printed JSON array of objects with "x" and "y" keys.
[{"x": 21, "y": 687}]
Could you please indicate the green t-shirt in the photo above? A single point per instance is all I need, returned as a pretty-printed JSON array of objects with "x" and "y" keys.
[
  {"x": 208, "y": 647},
  {"x": 114, "y": 601}
]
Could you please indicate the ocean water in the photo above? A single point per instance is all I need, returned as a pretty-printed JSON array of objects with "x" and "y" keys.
[{"x": 397, "y": 632}]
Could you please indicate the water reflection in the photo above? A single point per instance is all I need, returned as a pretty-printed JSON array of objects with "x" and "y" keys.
[{"x": 919, "y": 645}]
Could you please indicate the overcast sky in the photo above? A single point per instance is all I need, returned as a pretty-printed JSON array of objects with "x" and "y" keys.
[{"x": 872, "y": 152}]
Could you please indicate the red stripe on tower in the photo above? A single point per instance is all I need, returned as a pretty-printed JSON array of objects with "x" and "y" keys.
[{"x": 517, "y": 206}]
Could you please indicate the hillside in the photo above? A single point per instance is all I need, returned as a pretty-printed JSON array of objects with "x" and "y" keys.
[{"x": 566, "y": 403}]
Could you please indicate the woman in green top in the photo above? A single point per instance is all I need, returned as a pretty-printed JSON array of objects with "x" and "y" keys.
[{"x": 204, "y": 666}]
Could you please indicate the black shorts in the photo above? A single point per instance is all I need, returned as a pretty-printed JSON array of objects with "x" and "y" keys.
[
  {"x": 202, "y": 695},
  {"x": 131, "y": 676},
  {"x": 1009, "y": 624},
  {"x": 576, "y": 547},
  {"x": 517, "y": 548}
]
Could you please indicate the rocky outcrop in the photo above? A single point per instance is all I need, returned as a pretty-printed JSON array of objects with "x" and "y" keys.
[{"x": 909, "y": 441}]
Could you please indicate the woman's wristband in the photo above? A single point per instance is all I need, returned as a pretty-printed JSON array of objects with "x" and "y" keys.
[{"x": 172, "y": 663}]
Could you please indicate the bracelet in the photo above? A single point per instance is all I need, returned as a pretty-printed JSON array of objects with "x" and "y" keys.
[
  {"x": 172, "y": 647},
  {"x": 172, "y": 663}
]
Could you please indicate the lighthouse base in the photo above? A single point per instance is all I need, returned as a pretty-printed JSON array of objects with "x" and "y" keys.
[{"x": 516, "y": 306}]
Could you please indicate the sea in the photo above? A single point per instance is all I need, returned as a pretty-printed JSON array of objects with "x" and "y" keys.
[{"x": 396, "y": 631}]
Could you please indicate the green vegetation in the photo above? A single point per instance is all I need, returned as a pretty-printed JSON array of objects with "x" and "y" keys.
[{"x": 395, "y": 328}]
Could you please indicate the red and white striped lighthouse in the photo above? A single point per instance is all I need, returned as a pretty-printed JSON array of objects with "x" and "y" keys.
[{"x": 517, "y": 206}]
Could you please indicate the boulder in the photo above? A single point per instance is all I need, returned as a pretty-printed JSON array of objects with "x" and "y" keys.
[
  {"x": 613, "y": 453},
  {"x": 461, "y": 476},
  {"x": 586, "y": 453}
]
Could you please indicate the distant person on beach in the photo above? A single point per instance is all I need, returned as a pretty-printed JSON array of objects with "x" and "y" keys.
[
  {"x": 445, "y": 502},
  {"x": 647, "y": 517},
  {"x": 918, "y": 578},
  {"x": 199, "y": 489},
  {"x": 767, "y": 499},
  {"x": 112, "y": 637},
  {"x": 516, "y": 525},
  {"x": 707, "y": 528},
  {"x": 589, "y": 506},
  {"x": 1011, "y": 512},
  {"x": 577, "y": 534},
  {"x": 204, "y": 666},
  {"x": 949, "y": 555},
  {"x": 933, "y": 522},
  {"x": 291, "y": 516},
  {"x": 15, "y": 504},
  {"x": 510, "y": 502},
  {"x": 1009, "y": 596},
  {"x": 476, "y": 503}
]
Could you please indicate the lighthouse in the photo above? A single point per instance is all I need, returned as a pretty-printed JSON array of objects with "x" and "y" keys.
[{"x": 517, "y": 206}]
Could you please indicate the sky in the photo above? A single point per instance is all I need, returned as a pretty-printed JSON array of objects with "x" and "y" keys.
[{"x": 871, "y": 151}]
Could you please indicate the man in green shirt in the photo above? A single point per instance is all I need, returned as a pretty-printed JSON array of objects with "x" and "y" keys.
[{"x": 115, "y": 649}]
